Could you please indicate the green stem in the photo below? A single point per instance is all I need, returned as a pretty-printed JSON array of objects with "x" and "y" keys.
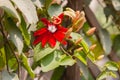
[{"x": 65, "y": 51}]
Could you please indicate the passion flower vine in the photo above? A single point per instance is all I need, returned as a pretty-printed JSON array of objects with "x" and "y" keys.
[{"x": 52, "y": 32}]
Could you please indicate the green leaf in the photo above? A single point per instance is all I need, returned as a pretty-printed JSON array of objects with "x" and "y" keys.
[
  {"x": 40, "y": 25},
  {"x": 76, "y": 36},
  {"x": 84, "y": 71},
  {"x": 50, "y": 62},
  {"x": 67, "y": 60},
  {"x": 85, "y": 46},
  {"x": 81, "y": 56},
  {"x": 9, "y": 9},
  {"x": 116, "y": 43},
  {"x": 105, "y": 40},
  {"x": 28, "y": 10},
  {"x": 102, "y": 75},
  {"x": 91, "y": 56},
  {"x": 58, "y": 72},
  {"x": 42, "y": 52},
  {"x": 37, "y": 3},
  {"x": 116, "y": 4},
  {"x": 54, "y": 10},
  {"x": 105, "y": 74},
  {"x": 13, "y": 64},
  {"x": 10, "y": 58},
  {"x": 8, "y": 52},
  {"x": 15, "y": 34},
  {"x": 2, "y": 62},
  {"x": 46, "y": 3},
  {"x": 23, "y": 28},
  {"x": 7, "y": 76},
  {"x": 26, "y": 65},
  {"x": 83, "y": 68},
  {"x": 98, "y": 49},
  {"x": 108, "y": 11},
  {"x": 1, "y": 41},
  {"x": 2, "y": 58},
  {"x": 113, "y": 74},
  {"x": 112, "y": 66},
  {"x": 55, "y": 59}
]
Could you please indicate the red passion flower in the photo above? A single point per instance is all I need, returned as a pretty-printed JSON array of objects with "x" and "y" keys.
[{"x": 51, "y": 33}]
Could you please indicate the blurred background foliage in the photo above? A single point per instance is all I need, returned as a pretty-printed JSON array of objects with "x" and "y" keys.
[{"x": 104, "y": 15}]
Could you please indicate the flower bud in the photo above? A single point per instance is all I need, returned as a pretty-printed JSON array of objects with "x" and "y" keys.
[
  {"x": 78, "y": 18},
  {"x": 69, "y": 9},
  {"x": 100, "y": 57},
  {"x": 68, "y": 32},
  {"x": 79, "y": 49},
  {"x": 70, "y": 14},
  {"x": 91, "y": 31},
  {"x": 81, "y": 24},
  {"x": 77, "y": 13},
  {"x": 93, "y": 47},
  {"x": 78, "y": 41}
]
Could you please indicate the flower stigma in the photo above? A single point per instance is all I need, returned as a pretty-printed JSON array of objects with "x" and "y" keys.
[{"x": 52, "y": 28}]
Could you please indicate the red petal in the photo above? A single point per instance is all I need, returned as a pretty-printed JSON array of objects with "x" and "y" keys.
[
  {"x": 59, "y": 35},
  {"x": 62, "y": 29},
  {"x": 40, "y": 32},
  {"x": 36, "y": 41},
  {"x": 45, "y": 39},
  {"x": 56, "y": 21},
  {"x": 61, "y": 16},
  {"x": 45, "y": 21},
  {"x": 52, "y": 42},
  {"x": 64, "y": 42}
]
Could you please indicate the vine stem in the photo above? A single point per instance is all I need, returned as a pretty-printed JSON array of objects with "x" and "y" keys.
[
  {"x": 65, "y": 51},
  {"x": 6, "y": 40}
]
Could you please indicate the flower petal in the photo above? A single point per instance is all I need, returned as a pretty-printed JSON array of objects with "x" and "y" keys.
[
  {"x": 52, "y": 42},
  {"x": 36, "y": 41},
  {"x": 61, "y": 16},
  {"x": 64, "y": 42},
  {"x": 40, "y": 31},
  {"x": 56, "y": 20},
  {"x": 45, "y": 39},
  {"x": 59, "y": 35},
  {"x": 45, "y": 21},
  {"x": 61, "y": 28}
]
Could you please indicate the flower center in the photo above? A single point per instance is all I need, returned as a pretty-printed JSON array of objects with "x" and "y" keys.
[{"x": 52, "y": 28}]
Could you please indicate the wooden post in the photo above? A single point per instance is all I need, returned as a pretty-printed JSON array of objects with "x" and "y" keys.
[{"x": 72, "y": 73}]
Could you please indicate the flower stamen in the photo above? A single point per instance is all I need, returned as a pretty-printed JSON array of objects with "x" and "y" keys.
[{"x": 56, "y": 20}]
